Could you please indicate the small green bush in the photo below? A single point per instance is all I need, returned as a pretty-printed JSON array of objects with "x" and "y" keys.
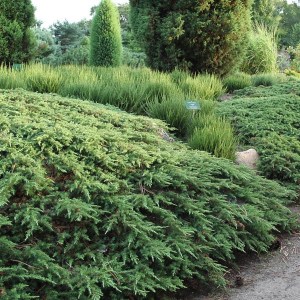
[
  {"x": 266, "y": 79},
  {"x": 280, "y": 157},
  {"x": 261, "y": 53},
  {"x": 95, "y": 204},
  {"x": 133, "y": 59},
  {"x": 214, "y": 135},
  {"x": 237, "y": 81}
]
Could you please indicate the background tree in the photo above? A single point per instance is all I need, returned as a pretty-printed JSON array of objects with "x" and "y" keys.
[
  {"x": 45, "y": 44},
  {"x": 16, "y": 38},
  {"x": 63, "y": 43},
  {"x": 289, "y": 29},
  {"x": 133, "y": 55},
  {"x": 68, "y": 35},
  {"x": 106, "y": 41},
  {"x": 202, "y": 36},
  {"x": 267, "y": 12}
]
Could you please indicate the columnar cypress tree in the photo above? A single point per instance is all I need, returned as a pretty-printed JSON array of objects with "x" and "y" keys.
[
  {"x": 106, "y": 41},
  {"x": 196, "y": 35},
  {"x": 16, "y": 39}
]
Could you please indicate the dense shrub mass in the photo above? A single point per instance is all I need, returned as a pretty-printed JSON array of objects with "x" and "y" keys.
[
  {"x": 270, "y": 123},
  {"x": 201, "y": 36},
  {"x": 280, "y": 157},
  {"x": 16, "y": 38},
  {"x": 96, "y": 204}
]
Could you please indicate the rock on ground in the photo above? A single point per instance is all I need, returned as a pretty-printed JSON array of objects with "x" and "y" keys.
[{"x": 248, "y": 158}]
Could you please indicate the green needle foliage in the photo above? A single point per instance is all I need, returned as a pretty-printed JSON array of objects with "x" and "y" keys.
[
  {"x": 106, "y": 41},
  {"x": 269, "y": 121},
  {"x": 200, "y": 36},
  {"x": 289, "y": 87},
  {"x": 16, "y": 38},
  {"x": 95, "y": 204}
]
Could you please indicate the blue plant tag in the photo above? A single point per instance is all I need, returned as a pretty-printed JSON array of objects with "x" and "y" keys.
[{"x": 192, "y": 105}]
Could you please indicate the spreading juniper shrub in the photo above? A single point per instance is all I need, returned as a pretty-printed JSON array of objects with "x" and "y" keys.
[
  {"x": 95, "y": 204},
  {"x": 270, "y": 125}
]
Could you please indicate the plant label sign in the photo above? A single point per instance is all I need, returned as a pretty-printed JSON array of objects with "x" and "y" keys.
[
  {"x": 17, "y": 67},
  {"x": 192, "y": 105}
]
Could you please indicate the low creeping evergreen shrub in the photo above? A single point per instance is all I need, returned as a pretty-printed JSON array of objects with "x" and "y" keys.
[
  {"x": 291, "y": 86},
  {"x": 95, "y": 204},
  {"x": 270, "y": 124},
  {"x": 280, "y": 157}
]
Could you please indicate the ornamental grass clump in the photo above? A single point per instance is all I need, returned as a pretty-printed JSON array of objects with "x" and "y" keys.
[
  {"x": 237, "y": 81},
  {"x": 96, "y": 204},
  {"x": 214, "y": 135},
  {"x": 267, "y": 79},
  {"x": 42, "y": 79},
  {"x": 261, "y": 52},
  {"x": 10, "y": 78},
  {"x": 205, "y": 86}
]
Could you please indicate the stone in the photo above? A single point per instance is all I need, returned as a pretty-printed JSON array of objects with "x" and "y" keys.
[{"x": 248, "y": 158}]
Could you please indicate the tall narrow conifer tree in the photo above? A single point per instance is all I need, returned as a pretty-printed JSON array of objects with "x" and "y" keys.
[{"x": 106, "y": 41}]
